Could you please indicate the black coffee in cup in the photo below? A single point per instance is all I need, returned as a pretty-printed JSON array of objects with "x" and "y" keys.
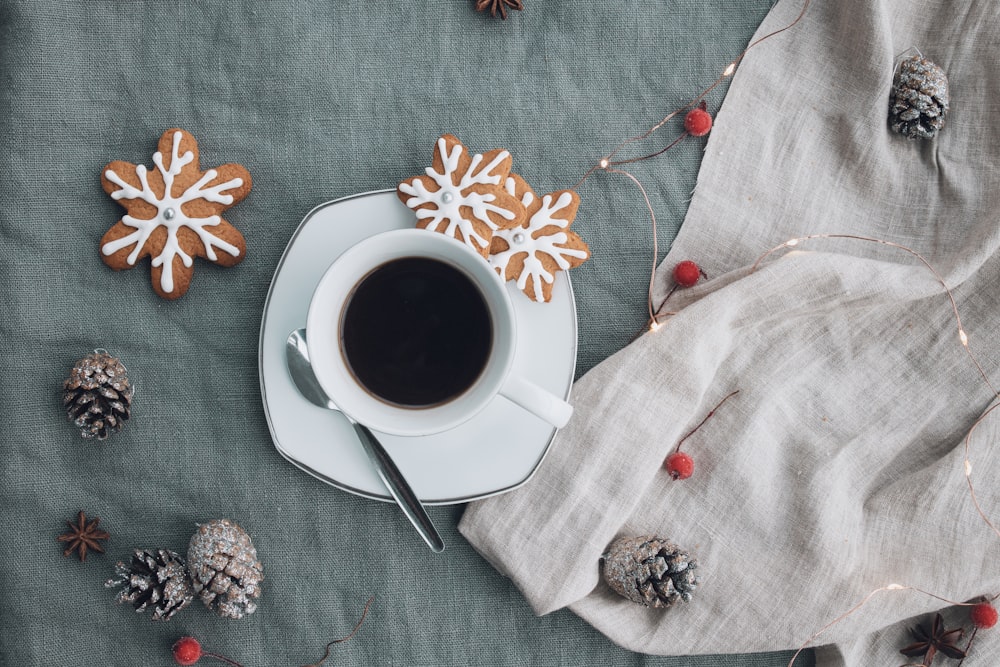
[{"x": 416, "y": 332}]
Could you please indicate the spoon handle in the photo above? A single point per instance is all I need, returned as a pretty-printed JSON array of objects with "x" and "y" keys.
[{"x": 399, "y": 488}]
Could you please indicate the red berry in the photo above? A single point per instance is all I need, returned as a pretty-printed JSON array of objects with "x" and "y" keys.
[
  {"x": 687, "y": 273},
  {"x": 698, "y": 122},
  {"x": 187, "y": 651},
  {"x": 983, "y": 615},
  {"x": 679, "y": 465}
]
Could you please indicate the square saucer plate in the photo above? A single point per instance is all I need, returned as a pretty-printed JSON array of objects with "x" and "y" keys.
[{"x": 495, "y": 451}]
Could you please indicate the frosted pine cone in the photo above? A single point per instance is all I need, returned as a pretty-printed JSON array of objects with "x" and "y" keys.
[
  {"x": 156, "y": 579},
  {"x": 224, "y": 568},
  {"x": 97, "y": 395},
  {"x": 650, "y": 571},
  {"x": 919, "y": 98}
]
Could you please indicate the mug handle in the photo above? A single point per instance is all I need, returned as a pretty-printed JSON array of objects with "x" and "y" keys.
[{"x": 536, "y": 400}]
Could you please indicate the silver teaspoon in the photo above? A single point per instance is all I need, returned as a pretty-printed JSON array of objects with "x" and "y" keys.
[{"x": 297, "y": 358}]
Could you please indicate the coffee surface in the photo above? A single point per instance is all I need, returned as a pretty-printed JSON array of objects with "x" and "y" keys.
[{"x": 416, "y": 332}]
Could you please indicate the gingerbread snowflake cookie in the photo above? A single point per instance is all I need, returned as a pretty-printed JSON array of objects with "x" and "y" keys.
[
  {"x": 173, "y": 213},
  {"x": 463, "y": 195},
  {"x": 543, "y": 244}
]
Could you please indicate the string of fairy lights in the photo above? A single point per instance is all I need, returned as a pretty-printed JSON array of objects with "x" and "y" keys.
[{"x": 611, "y": 164}]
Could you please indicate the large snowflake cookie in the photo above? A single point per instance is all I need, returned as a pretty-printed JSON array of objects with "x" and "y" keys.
[
  {"x": 533, "y": 252},
  {"x": 173, "y": 213},
  {"x": 463, "y": 195}
]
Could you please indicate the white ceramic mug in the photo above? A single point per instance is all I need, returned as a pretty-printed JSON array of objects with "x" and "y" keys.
[{"x": 324, "y": 330}]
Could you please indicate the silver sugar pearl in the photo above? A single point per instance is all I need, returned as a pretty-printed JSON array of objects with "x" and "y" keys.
[
  {"x": 518, "y": 238},
  {"x": 168, "y": 214},
  {"x": 448, "y": 197}
]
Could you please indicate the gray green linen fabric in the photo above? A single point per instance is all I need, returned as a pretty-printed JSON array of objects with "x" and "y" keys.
[
  {"x": 319, "y": 100},
  {"x": 839, "y": 467}
]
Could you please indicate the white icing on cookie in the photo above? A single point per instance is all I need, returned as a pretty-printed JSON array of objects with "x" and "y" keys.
[
  {"x": 523, "y": 240},
  {"x": 169, "y": 213},
  {"x": 447, "y": 201}
]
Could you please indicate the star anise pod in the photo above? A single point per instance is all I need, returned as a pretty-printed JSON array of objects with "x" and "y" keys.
[
  {"x": 498, "y": 6},
  {"x": 929, "y": 642},
  {"x": 83, "y": 535}
]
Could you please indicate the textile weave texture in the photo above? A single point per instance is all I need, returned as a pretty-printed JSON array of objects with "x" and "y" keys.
[
  {"x": 319, "y": 99},
  {"x": 839, "y": 467}
]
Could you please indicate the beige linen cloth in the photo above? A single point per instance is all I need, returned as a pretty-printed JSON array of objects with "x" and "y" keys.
[{"x": 838, "y": 468}]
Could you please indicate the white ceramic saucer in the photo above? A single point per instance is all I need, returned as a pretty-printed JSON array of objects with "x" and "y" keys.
[{"x": 495, "y": 451}]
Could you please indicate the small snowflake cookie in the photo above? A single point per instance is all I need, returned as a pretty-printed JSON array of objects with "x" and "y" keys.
[
  {"x": 534, "y": 251},
  {"x": 463, "y": 195},
  {"x": 173, "y": 213}
]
